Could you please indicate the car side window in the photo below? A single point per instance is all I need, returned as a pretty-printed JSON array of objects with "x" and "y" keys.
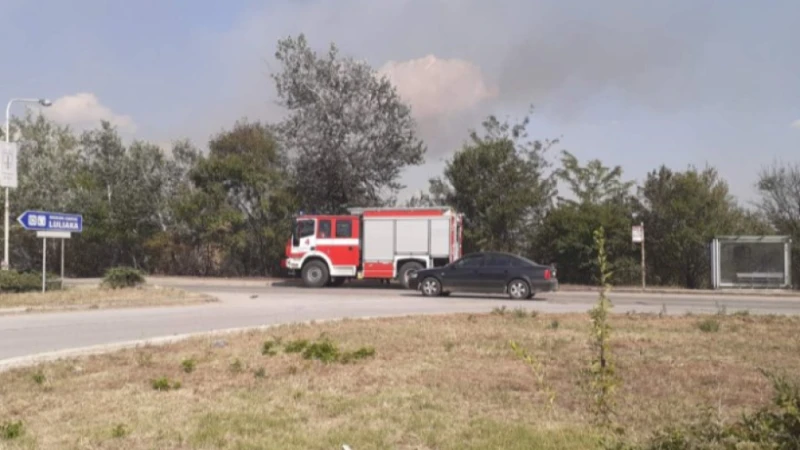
[
  {"x": 470, "y": 262},
  {"x": 324, "y": 229},
  {"x": 499, "y": 261},
  {"x": 344, "y": 228}
]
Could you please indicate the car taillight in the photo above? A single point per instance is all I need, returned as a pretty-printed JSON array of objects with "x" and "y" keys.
[{"x": 547, "y": 274}]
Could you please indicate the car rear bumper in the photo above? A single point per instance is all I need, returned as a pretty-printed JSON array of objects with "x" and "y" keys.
[{"x": 545, "y": 285}]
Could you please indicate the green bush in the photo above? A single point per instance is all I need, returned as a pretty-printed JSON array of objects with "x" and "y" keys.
[
  {"x": 12, "y": 281},
  {"x": 709, "y": 326},
  {"x": 123, "y": 277},
  {"x": 11, "y": 430}
]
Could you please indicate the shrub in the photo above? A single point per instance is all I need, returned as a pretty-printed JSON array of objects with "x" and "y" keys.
[
  {"x": 119, "y": 431},
  {"x": 260, "y": 373},
  {"x": 773, "y": 427},
  {"x": 18, "y": 282},
  {"x": 237, "y": 366},
  {"x": 123, "y": 277},
  {"x": 163, "y": 384},
  {"x": 11, "y": 430},
  {"x": 325, "y": 351},
  {"x": 268, "y": 349},
  {"x": 188, "y": 365},
  {"x": 296, "y": 346},
  {"x": 709, "y": 326},
  {"x": 38, "y": 377},
  {"x": 362, "y": 353}
]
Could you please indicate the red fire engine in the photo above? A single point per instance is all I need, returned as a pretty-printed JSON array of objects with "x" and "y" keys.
[{"x": 376, "y": 243}]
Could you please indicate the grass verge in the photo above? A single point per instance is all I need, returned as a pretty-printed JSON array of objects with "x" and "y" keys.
[
  {"x": 91, "y": 297},
  {"x": 438, "y": 382}
]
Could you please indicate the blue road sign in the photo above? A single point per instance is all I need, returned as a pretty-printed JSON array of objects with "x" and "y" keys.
[{"x": 51, "y": 221}]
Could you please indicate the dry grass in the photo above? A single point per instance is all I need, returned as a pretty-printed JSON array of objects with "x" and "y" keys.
[
  {"x": 448, "y": 382},
  {"x": 91, "y": 297}
]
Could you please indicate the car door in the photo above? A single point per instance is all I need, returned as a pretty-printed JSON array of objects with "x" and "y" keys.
[
  {"x": 494, "y": 274},
  {"x": 463, "y": 274}
]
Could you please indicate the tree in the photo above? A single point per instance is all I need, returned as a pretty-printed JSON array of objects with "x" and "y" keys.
[
  {"x": 240, "y": 209},
  {"x": 593, "y": 183},
  {"x": 682, "y": 212},
  {"x": 498, "y": 182},
  {"x": 779, "y": 188},
  {"x": 566, "y": 236},
  {"x": 348, "y": 131}
]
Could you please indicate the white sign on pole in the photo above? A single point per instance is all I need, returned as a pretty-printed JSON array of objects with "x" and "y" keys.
[
  {"x": 8, "y": 165},
  {"x": 54, "y": 234},
  {"x": 637, "y": 233}
]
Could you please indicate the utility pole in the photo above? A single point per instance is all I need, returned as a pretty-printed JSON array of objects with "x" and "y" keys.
[
  {"x": 644, "y": 267},
  {"x": 637, "y": 236}
]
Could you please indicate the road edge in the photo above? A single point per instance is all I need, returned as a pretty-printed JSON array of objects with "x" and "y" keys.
[{"x": 21, "y": 362}]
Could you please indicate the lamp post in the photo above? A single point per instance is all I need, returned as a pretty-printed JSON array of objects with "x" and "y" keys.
[{"x": 44, "y": 102}]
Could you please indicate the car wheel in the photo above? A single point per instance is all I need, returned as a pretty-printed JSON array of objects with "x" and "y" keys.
[
  {"x": 406, "y": 269},
  {"x": 518, "y": 290},
  {"x": 431, "y": 287},
  {"x": 315, "y": 274}
]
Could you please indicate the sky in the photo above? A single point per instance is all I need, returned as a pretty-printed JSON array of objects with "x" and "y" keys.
[{"x": 636, "y": 84}]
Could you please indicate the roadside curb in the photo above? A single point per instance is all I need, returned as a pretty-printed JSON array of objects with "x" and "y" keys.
[{"x": 727, "y": 292}]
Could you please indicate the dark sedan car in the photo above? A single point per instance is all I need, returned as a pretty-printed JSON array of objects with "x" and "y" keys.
[{"x": 487, "y": 272}]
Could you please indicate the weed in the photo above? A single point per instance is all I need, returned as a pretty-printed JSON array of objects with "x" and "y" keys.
[
  {"x": 501, "y": 311},
  {"x": 38, "y": 377},
  {"x": 722, "y": 310},
  {"x": 188, "y": 365},
  {"x": 663, "y": 311},
  {"x": 742, "y": 313},
  {"x": 163, "y": 384},
  {"x": 119, "y": 431},
  {"x": 362, "y": 353},
  {"x": 709, "y": 325},
  {"x": 11, "y": 430},
  {"x": 237, "y": 366},
  {"x": 325, "y": 351},
  {"x": 471, "y": 318},
  {"x": 144, "y": 359},
  {"x": 296, "y": 346},
  {"x": 538, "y": 371},
  {"x": 604, "y": 379},
  {"x": 268, "y": 349},
  {"x": 260, "y": 373},
  {"x": 293, "y": 370},
  {"x": 520, "y": 313},
  {"x": 448, "y": 346},
  {"x": 554, "y": 324}
]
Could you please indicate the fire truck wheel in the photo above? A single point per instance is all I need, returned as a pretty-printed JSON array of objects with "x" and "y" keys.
[
  {"x": 315, "y": 274},
  {"x": 431, "y": 287},
  {"x": 406, "y": 269}
]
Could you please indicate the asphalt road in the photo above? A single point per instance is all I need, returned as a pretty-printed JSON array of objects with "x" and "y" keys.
[{"x": 249, "y": 304}]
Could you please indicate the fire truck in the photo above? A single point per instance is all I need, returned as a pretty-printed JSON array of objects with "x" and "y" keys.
[{"x": 372, "y": 243}]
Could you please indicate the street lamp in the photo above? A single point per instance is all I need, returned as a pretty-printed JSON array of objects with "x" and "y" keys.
[{"x": 44, "y": 102}]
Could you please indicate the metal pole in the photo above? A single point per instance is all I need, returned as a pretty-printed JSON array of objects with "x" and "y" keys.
[
  {"x": 644, "y": 268},
  {"x": 62, "y": 261},
  {"x": 44, "y": 264},
  {"x": 5, "y": 265}
]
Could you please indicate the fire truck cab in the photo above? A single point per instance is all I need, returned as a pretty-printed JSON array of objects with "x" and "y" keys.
[{"x": 372, "y": 243}]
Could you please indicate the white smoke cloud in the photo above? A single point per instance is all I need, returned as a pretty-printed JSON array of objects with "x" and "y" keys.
[{"x": 83, "y": 111}]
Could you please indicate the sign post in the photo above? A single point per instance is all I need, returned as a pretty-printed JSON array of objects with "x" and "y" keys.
[
  {"x": 637, "y": 235},
  {"x": 52, "y": 225}
]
